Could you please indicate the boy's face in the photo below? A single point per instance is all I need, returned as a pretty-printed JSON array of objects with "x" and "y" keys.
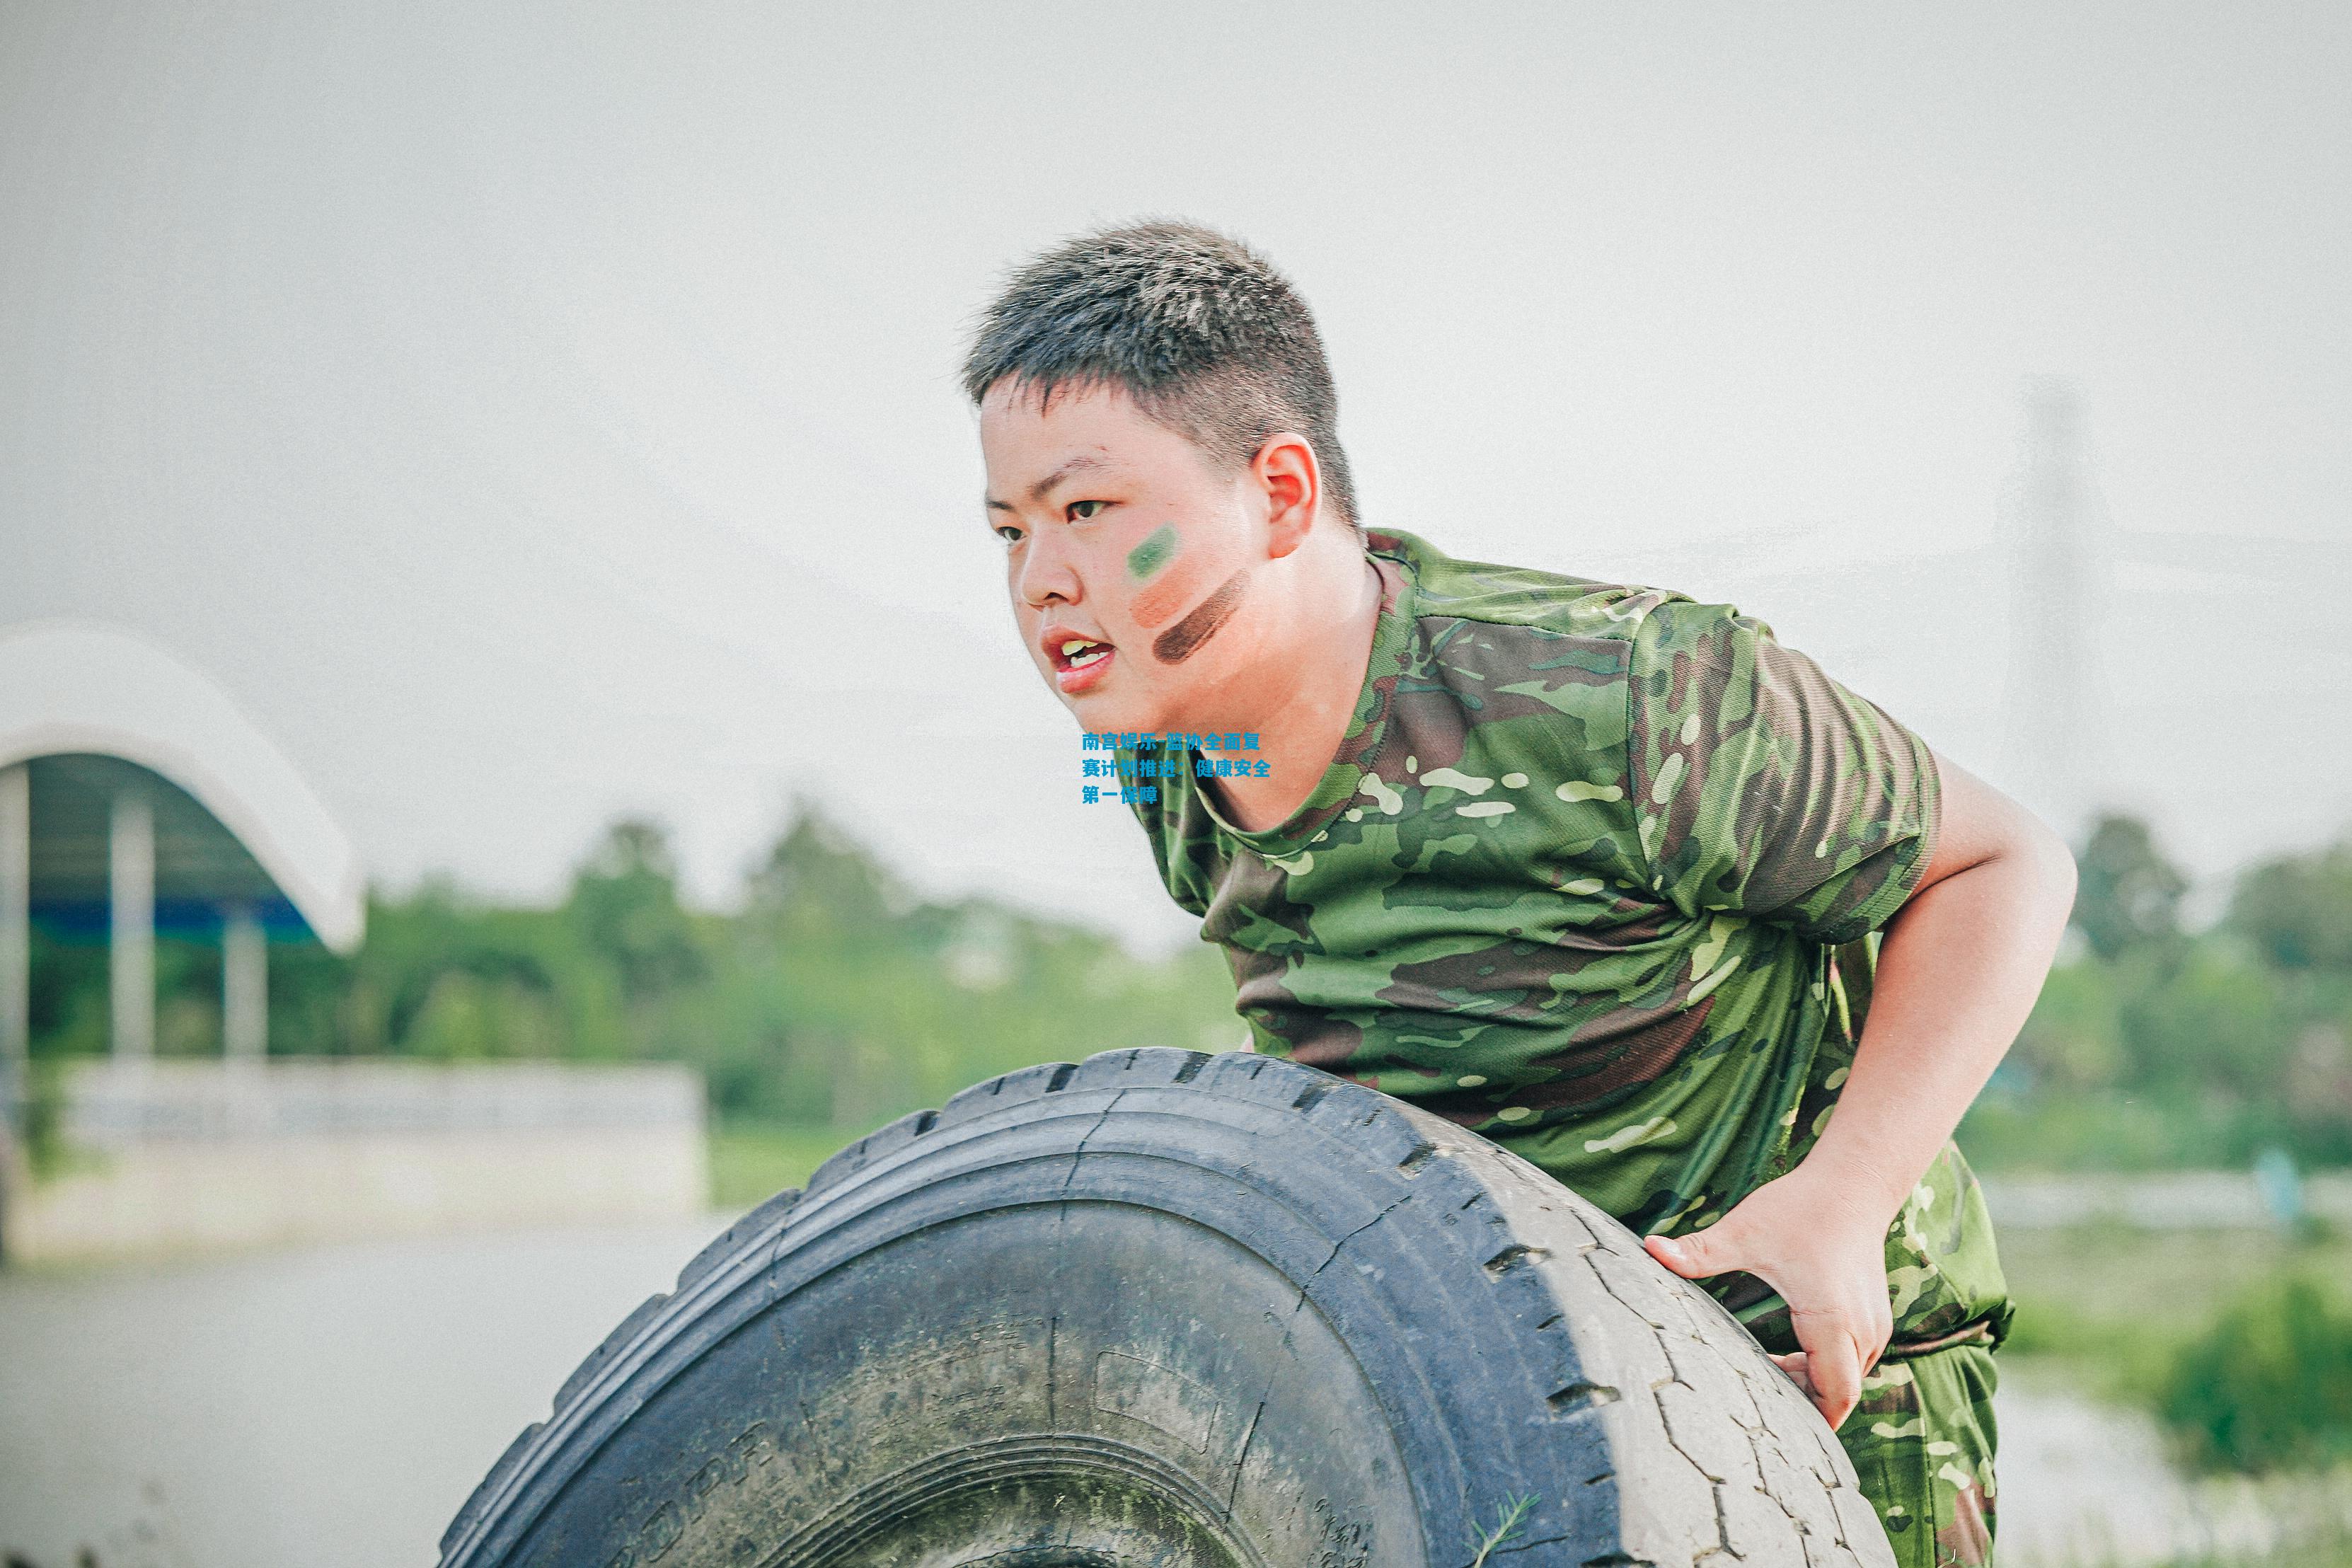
[{"x": 1128, "y": 555}]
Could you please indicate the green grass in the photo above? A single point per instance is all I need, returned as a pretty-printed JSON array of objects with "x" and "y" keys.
[
  {"x": 2107, "y": 1308},
  {"x": 2330, "y": 1549},
  {"x": 2172, "y": 1321},
  {"x": 2269, "y": 1386},
  {"x": 1506, "y": 1525},
  {"x": 2091, "y": 1284},
  {"x": 752, "y": 1160}
]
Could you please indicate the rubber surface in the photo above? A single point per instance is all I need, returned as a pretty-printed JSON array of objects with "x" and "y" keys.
[{"x": 1190, "y": 1311}]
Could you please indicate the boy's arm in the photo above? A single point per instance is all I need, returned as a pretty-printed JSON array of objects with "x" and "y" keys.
[{"x": 1958, "y": 970}]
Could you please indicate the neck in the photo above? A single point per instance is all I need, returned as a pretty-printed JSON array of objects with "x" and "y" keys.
[{"x": 1301, "y": 687}]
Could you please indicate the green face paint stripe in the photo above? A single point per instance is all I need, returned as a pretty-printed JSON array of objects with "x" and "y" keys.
[{"x": 1153, "y": 553}]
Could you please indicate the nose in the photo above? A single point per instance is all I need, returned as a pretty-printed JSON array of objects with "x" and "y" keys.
[{"x": 1046, "y": 572}]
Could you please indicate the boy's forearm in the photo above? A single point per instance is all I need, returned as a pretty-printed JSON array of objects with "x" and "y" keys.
[{"x": 1958, "y": 971}]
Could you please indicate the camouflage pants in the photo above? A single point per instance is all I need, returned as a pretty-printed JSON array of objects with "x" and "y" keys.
[{"x": 1922, "y": 1440}]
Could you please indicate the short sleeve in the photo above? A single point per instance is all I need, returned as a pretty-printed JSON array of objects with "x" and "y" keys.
[{"x": 1765, "y": 787}]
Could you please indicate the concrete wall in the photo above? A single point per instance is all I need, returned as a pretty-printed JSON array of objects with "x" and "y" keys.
[{"x": 175, "y": 1156}]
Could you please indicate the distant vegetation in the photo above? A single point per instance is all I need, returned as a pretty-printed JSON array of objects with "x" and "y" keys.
[
  {"x": 836, "y": 998},
  {"x": 2239, "y": 1340},
  {"x": 833, "y": 998},
  {"x": 2269, "y": 1385},
  {"x": 2152, "y": 1046}
]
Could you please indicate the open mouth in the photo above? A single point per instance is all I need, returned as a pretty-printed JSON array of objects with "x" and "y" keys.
[{"x": 1078, "y": 661}]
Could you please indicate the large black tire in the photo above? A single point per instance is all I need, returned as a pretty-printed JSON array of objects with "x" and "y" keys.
[{"x": 1179, "y": 1311}]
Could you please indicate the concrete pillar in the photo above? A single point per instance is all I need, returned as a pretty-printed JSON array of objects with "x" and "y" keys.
[
  {"x": 244, "y": 986},
  {"x": 130, "y": 955},
  {"x": 16, "y": 937}
]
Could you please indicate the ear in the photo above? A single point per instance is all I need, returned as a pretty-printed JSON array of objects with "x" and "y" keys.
[{"x": 1286, "y": 472}]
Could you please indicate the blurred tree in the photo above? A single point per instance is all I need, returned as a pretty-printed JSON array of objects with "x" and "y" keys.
[
  {"x": 2075, "y": 1039},
  {"x": 836, "y": 997},
  {"x": 465, "y": 1015},
  {"x": 2160, "y": 1048},
  {"x": 187, "y": 996},
  {"x": 69, "y": 995},
  {"x": 2319, "y": 1092},
  {"x": 2298, "y": 910},
  {"x": 312, "y": 1000},
  {"x": 2127, "y": 895},
  {"x": 819, "y": 880},
  {"x": 624, "y": 902},
  {"x": 414, "y": 944},
  {"x": 2319, "y": 1075},
  {"x": 2216, "y": 1023}
]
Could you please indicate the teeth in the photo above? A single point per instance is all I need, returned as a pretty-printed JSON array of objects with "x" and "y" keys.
[
  {"x": 1082, "y": 661},
  {"x": 1074, "y": 645}
]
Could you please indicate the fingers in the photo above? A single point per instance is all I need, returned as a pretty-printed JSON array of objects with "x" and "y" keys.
[
  {"x": 1882, "y": 1330},
  {"x": 1832, "y": 1365},
  {"x": 1793, "y": 1364},
  {"x": 1694, "y": 1257},
  {"x": 1671, "y": 1253}
]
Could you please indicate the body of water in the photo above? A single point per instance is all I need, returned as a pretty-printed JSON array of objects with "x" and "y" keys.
[{"x": 331, "y": 1408}]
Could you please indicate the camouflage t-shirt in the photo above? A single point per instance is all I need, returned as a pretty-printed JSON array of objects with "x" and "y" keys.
[{"x": 1595, "y": 872}]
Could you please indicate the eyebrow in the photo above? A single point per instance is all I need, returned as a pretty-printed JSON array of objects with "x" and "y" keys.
[{"x": 1080, "y": 464}]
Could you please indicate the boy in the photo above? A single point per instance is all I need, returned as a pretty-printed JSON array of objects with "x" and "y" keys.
[{"x": 1596, "y": 872}]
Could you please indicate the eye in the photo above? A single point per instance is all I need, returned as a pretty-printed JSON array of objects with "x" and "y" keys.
[
  {"x": 1009, "y": 533},
  {"x": 1079, "y": 511}
]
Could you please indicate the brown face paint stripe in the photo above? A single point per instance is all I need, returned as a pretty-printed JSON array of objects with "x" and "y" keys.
[{"x": 1183, "y": 639}]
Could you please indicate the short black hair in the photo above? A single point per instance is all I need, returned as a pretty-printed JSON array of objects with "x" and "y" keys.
[{"x": 1199, "y": 329}]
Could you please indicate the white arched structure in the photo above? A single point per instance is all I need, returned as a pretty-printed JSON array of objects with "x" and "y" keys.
[
  {"x": 75, "y": 697},
  {"x": 69, "y": 687}
]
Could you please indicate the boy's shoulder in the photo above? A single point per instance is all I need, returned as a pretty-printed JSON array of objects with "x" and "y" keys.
[
  {"x": 1628, "y": 661},
  {"x": 1544, "y": 603}
]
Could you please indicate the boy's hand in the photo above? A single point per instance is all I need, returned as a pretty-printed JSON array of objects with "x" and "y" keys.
[
  {"x": 1817, "y": 1241},
  {"x": 1957, "y": 972}
]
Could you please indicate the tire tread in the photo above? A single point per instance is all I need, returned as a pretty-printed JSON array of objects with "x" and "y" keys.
[{"x": 1580, "y": 1285}]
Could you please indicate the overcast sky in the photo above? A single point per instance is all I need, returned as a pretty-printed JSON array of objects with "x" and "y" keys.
[{"x": 532, "y": 413}]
